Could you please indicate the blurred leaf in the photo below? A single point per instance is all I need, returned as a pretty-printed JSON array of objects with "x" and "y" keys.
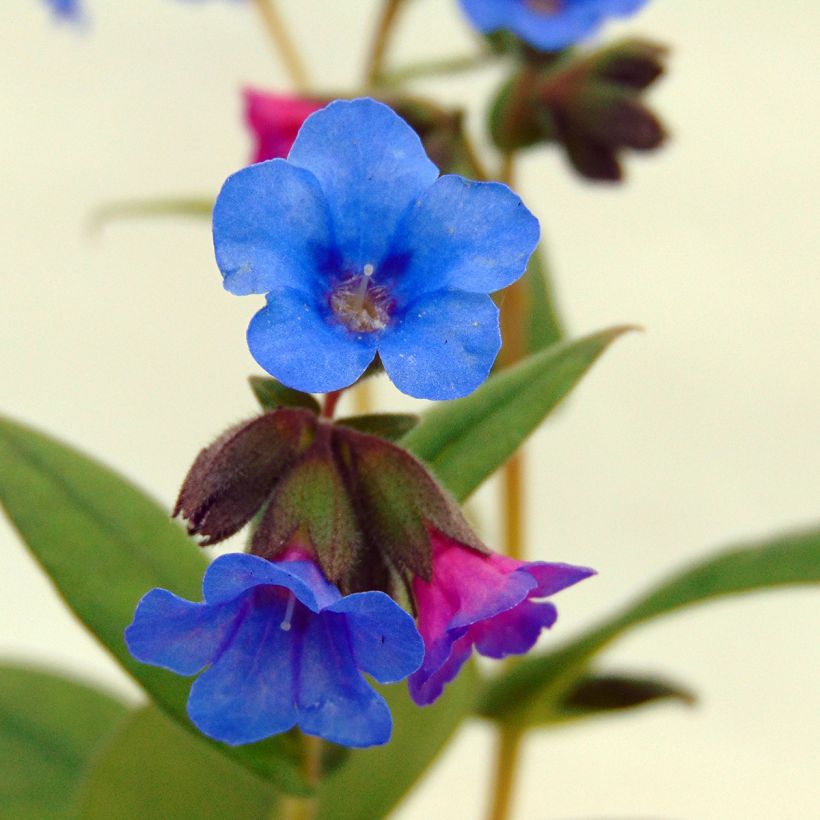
[
  {"x": 466, "y": 440},
  {"x": 272, "y": 394},
  {"x": 542, "y": 327},
  {"x": 154, "y": 768},
  {"x": 535, "y": 685},
  {"x": 373, "y": 781},
  {"x": 189, "y": 207},
  {"x": 391, "y": 426},
  {"x": 104, "y": 544},
  {"x": 50, "y": 728},
  {"x": 594, "y": 695}
]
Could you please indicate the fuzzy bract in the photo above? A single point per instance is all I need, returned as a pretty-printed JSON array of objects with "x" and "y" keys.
[
  {"x": 549, "y": 25},
  {"x": 362, "y": 249},
  {"x": 484, "y": 601},
  {"x": 280, "y": 647}
]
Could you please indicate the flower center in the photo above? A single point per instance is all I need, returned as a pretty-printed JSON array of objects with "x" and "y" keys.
[
  {"x": 359, "y": 304},
  {"x": 287, "y": 620},
  {"x": 544, "y": 6}
]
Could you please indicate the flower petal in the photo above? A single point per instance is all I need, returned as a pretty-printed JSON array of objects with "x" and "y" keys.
[
  {"x": 443, "y": 346},
  {"x": 473, "y": 236},
  {"x": 428, "y": 683},
  {"x": 512, "y": 632},
  {"x": 248, "y": 693},
  {"x": 384, "y": 639},
  {"x": 295, "y": 341},
  {"x": 486, "y": 15},
  {"x": 271, "y": 229},
  {"x": 334, "y": 701},
  {"x": 231, "y": 575},
  {"x": 176, "y": 634},
  {"x": 552, "y": 578},
  {"x": 371, "y": 166}
]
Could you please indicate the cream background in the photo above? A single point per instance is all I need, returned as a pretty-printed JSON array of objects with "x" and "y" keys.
[{"x": 703, "y": 431}]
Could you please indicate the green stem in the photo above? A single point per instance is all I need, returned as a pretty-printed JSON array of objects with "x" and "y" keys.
[
  {"x": 435, "y": 68},
  {"x": 274, "y": 25},
  {"x": 381, "y": 41},
  {"x": 507, "y": 757},
  {"x": 305, "y": 808}
]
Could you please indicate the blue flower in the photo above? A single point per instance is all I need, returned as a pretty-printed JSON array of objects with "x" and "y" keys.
[
  {"x": 282, "y": 648},
  {"x": 362, "y": 249},
  {"x": 549, "y": 25},
  {"x": 65, "y": 9}
]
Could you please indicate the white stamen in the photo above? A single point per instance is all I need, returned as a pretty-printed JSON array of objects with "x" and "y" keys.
[
  {"x": 358, "y": 297},
  {"x": 285, "y": 625},
  {"x": 368, "y": 269}
]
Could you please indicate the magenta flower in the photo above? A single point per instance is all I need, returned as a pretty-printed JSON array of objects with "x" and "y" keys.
[
  {"x": 483, "y": 601},
  {"x": 275, "y": 120}
]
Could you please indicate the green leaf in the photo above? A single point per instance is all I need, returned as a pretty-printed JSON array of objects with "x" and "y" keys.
[
  {"x": 542, "y": 325},
  {"x": 466, "y": 440},
  {"x": 189, "y": 207},
  {"x": 534, "y": 686},
  {"x": 154, "y": 768},
  {"x": 391, "y": 426},
  {"x": 272, "y": 394},
  {"x": 50, "y": 729},
  {"x": 373, "y": 781},
  {"x": 104, "y": 544},
  {"x": 594, "y": 695}
]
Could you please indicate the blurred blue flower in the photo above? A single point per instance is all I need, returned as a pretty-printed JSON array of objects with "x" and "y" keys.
[
  {"x": 549, "y": 25},
  {"x": 65, "y": 9},
  {"x": 362, "y": 249},
  {"x": 282, "y": 648}
]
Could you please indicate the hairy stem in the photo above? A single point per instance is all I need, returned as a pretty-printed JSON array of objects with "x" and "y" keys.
[
  {"x": 435, "y": 68},
  {"x": 508, "y": 753},
  {"x": 274, "y": 25},
  {"x": 381, "y": 41}
]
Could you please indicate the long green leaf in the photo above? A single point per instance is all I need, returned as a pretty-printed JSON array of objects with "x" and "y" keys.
[
  {"x": 534, "y": 686},
  {"x": 104, "y": 544},
  {"x": 188, "y": 207},
  {"x": 154, "y": 768},
  {"x": 373, "y": 781},
  {"x": 542, "y": 326},
  {"x": 466, "y": 440},
  {"x": 50, "y": 729}
]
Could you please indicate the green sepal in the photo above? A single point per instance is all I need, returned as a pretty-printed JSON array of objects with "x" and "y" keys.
[
  {"x": 272, "y": 394},
  {"x": 390, "y": 426}
]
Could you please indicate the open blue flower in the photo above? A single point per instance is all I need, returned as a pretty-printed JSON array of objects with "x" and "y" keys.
[
  {"x": 549, "y": 25},
  {"x": 282, "y": 648},
  {"x": 362, "y": 249}
]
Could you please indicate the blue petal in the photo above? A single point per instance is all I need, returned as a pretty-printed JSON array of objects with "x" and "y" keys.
[
  {"x": 444, "y": 345},
  {"x": 473, "y": 236},
  {"x": 271, "y": 229},
  {"x": 557, "y": 31},
  {"x": 231, "y": 575},
  {"x": 248, "y": 695},
  {"x": 176, "y": 634},
  {"x": 334, "y": 700},
  {"x": 371, "y": 166},
  {"x": 487, "y": 15},
  {"x": 296, "y": 342},
  {"x": 552, "y": 578},
  {"x": 384, "y": 638}
]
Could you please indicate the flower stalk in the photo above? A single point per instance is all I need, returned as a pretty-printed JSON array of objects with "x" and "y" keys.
[{"x": 275, "y": 26}]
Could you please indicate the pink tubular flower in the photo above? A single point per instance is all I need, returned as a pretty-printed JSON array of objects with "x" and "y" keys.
[
  {"x": 481, "y": 600},
  {"x": 275, "y": 119}
]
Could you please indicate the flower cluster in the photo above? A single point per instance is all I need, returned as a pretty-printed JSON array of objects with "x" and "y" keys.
[{"x": 362, "y": 251}]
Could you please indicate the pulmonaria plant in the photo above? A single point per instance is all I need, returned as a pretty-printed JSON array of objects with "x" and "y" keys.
[
  {"x": 281, "y": 647},
  {"x": 549, "y": 25},
  {"x": 363, "y": 250}
]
